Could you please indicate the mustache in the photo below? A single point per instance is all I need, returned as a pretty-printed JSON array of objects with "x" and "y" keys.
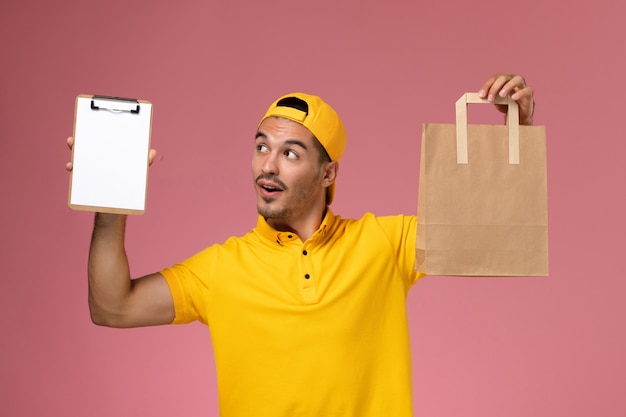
[{"x": 271, "y": 178}]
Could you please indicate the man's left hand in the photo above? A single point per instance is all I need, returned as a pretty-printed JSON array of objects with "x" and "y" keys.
[{"x": 505, "y": 84}]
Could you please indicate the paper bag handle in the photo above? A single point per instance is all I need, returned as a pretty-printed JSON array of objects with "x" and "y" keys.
[{"x": 512, "y": 120}]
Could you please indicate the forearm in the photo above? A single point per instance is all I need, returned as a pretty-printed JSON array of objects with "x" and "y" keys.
[{"x": 108, "y": 270}]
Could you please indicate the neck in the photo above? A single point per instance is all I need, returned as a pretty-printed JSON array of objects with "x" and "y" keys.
[{"x": 303, "y": 227}]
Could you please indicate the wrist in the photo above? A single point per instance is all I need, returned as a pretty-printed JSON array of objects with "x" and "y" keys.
[{"x": 109, "y": 219}]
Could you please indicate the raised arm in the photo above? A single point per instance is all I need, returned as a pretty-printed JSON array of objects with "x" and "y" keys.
[
  {"x": 116, "y": 300},
  {"x": 505, "y": 84}
]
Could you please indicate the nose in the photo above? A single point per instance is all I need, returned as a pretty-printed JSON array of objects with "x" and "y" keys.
[{"x": 269, "y": 164}]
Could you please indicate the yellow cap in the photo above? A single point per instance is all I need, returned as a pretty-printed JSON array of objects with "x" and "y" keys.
[{"x": 317, "y": 116}]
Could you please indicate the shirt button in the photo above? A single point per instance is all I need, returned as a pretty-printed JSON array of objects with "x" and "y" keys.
[
  {"x": 304, "y": 252},
  {"x": 307, "y": 276}
]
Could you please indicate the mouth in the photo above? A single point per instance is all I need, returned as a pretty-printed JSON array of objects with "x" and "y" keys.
[{"x": 270, "y": 188}]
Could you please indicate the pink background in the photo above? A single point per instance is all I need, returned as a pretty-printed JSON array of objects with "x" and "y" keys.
[{"x": 482, "y": 347}]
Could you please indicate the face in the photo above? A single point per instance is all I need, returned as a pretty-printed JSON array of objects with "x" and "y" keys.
[{"x": 290, "y": 181}]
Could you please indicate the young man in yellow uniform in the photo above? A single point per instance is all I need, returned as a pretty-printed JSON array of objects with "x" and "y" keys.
[{"x": 307, "y": 311}]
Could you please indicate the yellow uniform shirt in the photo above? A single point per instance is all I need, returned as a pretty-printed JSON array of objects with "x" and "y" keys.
[{"x": 316, "y": 328}]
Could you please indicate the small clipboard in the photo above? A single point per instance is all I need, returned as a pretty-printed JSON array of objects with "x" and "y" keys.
[{"x": 110, "y": 154}]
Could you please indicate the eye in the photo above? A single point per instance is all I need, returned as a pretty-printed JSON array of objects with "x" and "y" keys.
[
  {"x": 261, "y": 148},
  {"x": 291, "y": 154}
]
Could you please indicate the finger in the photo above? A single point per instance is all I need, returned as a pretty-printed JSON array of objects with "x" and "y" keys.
[
  {"x": 482, "y": 93},
  {"x": 493, "y": 85},
  {"x": 526, "y": 102},
  {"x": 513, "y": 85},
  {"x": 487, "y": 85},
  {"x": 502, "y": 108},
  {"x": 498, "y": 88},
  {"x": 70, "y": 144},
  {"x": 522, "y": 93},
  {"x": 151, "y": 156}
]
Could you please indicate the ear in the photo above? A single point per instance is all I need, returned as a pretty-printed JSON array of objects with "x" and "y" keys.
[{"x": 330, "y": 173}]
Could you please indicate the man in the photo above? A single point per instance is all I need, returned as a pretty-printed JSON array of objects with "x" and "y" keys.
[{"x": 307, "y": 311}]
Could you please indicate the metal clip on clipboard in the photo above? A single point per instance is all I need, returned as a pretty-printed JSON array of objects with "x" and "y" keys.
[{"x": 126, "y": 104}]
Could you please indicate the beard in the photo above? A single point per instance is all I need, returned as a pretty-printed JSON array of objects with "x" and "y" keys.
[
  {"x": 273, "y": 212},
  {"x": 291, "y": 201}
]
